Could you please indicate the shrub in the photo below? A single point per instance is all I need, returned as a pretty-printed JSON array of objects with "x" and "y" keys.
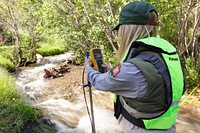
[
  {"x": 7, "y": 63},
  {"x": 192, "y": 75},
  {"x": 7, "y": 51}
]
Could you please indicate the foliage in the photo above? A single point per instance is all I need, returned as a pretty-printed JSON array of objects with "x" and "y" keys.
[
  {"x": 168, "y": 21},
  {"x": 6, "y": 57},
  {"x": 7, "y": 51},
  {"x": 84, "y": 24},
  {"x": 192, "y": 75},
  {"x": 88, "y": 25},
  {"x": 4, "y": 62},
  {"x": 6, "y": 36}
]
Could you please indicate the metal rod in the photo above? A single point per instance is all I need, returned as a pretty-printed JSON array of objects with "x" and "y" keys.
[{"x": 92, "y": 111}]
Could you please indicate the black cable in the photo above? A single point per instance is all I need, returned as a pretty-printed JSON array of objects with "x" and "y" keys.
[{"x": 85, "y": 98}]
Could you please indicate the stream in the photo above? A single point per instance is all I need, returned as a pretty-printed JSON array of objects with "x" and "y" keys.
[{"x": 61, "y": 100}]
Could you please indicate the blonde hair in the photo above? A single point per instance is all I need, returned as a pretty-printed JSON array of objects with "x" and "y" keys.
[{"x": 127, "y": 34}]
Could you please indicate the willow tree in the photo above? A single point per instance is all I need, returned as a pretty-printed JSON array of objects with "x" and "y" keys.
[
  {"x": 21, "y": 18},
  {"x": 9, "y": 17},
  {"x": 29, "y": 22},
  {"x": 189, "y": 40},
  {"x": 88, "y": 24},
  {"x": 189, "y": 35}
]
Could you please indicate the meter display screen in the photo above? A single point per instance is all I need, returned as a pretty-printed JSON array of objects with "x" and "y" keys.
[
  {"x": 97, "y": 59},
  {"x": 97, "y": 54}
]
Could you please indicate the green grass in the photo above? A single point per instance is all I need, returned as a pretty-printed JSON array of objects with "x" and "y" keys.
[
  {"x": 13, "y": 109},
  {"x": 15, "y": 112},
  {"x": 47, "y": 50},
  {"x": 51, "y": 47}
]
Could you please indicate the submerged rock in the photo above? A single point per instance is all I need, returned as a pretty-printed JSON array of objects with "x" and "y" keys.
[{"x": 44, "y": 125}]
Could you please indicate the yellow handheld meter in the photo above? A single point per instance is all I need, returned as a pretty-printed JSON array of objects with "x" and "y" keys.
[{"x": 97, "y": 59}]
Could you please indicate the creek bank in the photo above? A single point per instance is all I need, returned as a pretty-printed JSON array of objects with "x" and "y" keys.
[{"x": 43, "y": 125}]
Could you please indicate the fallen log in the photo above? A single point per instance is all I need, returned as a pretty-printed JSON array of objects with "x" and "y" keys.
[{"x": 56, "y": 72}]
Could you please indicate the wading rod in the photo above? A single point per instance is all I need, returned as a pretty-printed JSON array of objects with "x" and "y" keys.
[
  {"x": 91, "y": 110},
  {"x": 91, "y": 102}
]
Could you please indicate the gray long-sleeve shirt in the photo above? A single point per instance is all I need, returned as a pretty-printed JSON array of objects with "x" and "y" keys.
[{"x": 128, "y": 82}]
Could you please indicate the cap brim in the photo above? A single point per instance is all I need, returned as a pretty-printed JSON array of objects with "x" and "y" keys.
[{"x": 116, "y": 27}]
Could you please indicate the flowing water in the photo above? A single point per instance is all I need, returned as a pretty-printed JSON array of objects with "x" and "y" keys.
[{"x": 61, "y": 100}]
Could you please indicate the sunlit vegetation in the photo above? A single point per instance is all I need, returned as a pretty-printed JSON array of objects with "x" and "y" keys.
[
  {"x": 4, "y": 62},
  {"x": 51, "y": 47}
]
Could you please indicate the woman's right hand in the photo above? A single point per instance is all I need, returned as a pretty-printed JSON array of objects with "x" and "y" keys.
[{"x": 106, "y": 67}]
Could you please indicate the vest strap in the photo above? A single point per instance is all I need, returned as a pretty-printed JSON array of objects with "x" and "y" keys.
[
  {"x": 131, "y": 119},
  {"x": 119, "y": 109}
]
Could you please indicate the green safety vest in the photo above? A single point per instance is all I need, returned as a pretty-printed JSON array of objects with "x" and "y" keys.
[{"x": 171, "y": 60}]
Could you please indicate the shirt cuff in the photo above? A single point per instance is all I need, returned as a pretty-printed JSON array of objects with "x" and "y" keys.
[{"x": 88, "y": 69}]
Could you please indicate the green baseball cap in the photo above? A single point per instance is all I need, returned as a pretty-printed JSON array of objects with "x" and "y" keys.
[{"x": 136, "y": 13}]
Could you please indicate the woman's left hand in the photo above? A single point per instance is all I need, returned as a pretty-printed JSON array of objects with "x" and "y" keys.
[{"x": 87, "y": 62}]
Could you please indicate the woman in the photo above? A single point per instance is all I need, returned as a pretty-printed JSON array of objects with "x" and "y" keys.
[{"x": 146, "y": 86}]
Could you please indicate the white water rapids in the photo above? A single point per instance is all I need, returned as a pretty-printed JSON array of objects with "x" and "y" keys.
[{"x": 64, "y": 104}]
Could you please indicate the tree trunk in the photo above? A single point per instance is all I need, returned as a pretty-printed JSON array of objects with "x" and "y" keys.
[{"x": 19, "y": 51}]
